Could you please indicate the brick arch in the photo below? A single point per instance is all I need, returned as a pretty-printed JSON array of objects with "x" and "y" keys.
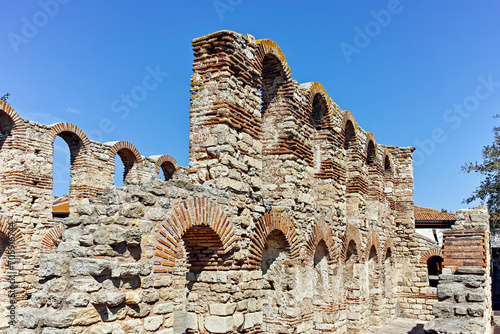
[
  {"x": 268, "y": 47},
  {"x": 372, "y": 241},
  {"x": 312, "y": 90},
  {"x": 371, "y": 138},
  {"x": 19, "y": 125},
  {"x": 76, "y": 139},
  {"x": 431, "y": 253},
  {"x": 118, "y": 146},
  {"x": 321, "y": 231},
  {"x": 347, "y": 116},
  {"x": 269, "y": 222},
  {"x": 387, "y": 158},
  {"x": 14, "y": 126},
  {"x": 164, "y": 159},
  {"x": 50, "y": 238},
  {"x": 59, "y": 128},
  {"x": 19, "y": 244},
  {"x": 351, "y": 234},
  {"x": 189, "y": 213},
  {"x": 388, "y": 246}
]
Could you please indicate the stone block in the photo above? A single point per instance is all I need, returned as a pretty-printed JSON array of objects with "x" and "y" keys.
[
  {"x": 54, "y": 265},
  {"x": 222, "y": 309},
  {"x": 215, "y": 324},
  {"x": 163, "y": 308},
  {"x": 133, "y": 326},
  {"x": 252, "y": 319},
  {"x": 86, "y": 284},
  {"x": 89, "y": 267},
  {"x": 109, "y": 235},
  {"x": 133, "y": 297},
  {"x": 78, "y": 299},
  {"x": 153, "y": 323}
]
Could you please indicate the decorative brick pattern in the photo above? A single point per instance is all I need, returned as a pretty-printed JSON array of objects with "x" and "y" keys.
[
  {"x": 321, "y": 231},
  {"x": 52, "y": 237},
  {"x": 270, "y": 221},
  {"x": 12, "y": 127},
  {"x": 19, "y": 244},
  {"x": 351, "y": 234},
  {"x": 372, "y": 241},
  {"x": 185, "y": 215}
]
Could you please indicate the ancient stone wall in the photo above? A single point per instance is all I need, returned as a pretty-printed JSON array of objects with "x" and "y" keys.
[{"x": 289, "y": 217}]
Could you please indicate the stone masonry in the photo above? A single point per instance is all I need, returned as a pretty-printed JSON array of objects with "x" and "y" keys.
[{"x": 290, "y": 218}]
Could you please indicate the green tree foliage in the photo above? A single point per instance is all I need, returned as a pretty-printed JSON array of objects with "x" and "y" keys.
[
  {"x": 5, "y": 97},
  {"x": 489, "y": 189}
]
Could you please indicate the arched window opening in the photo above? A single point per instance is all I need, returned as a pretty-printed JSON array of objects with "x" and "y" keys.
[
  {"x": 272, "y": 80},
  {"x": 122, "y": 170},
  {"x": 434, "y": 268},
  {"x": 387, "y": 165},
  {"x": 67, "y": 146},
  {"x": 372, "y": 256},
  {"x": 371, "y": 154},
  {"x": 349, "y": 135},
  {"x": 61, "y": 169},
  {"x": 275, "y": 249},
  {"x": 167, "y": 170},
  {"x": 319, "y": 110},
  {"x": 6, "y": 126}
]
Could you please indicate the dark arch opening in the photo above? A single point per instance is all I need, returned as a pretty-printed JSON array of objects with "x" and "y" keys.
[
  {"x": 128, "y": 160},
  {"x": 351, "y": 251},
  {"x": 74, "y": 142},
  {"x": 349, "y": 135},
  {"x": 4, "y": 242},
  {"x": 434, "y": 269},
  {"x": 373, "y": 253},
  {"x": 321, "y": 253},
  {"x": 387, "y": 164},
  {"x": 273, "y": 78},
  {"x": 319, "y": 110},
  {"x": 168, "y": 170},
  {"x": 371, "y": 154},
  {"x": 276, "y": 246},
  {"x": 388, "y": 255},
  {"x": 6, "y": 127}
]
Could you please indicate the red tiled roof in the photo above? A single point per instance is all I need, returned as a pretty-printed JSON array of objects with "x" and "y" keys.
[{"x": 429, "y": 214}]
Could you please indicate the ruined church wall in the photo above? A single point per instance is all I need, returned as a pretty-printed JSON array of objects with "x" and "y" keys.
[{"x": 288, "y": 217}]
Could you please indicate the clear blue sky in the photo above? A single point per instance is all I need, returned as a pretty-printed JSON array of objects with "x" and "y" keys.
[{"x": 403, "y": 68}]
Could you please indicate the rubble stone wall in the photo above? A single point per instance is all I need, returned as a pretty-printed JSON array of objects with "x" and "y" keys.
[{"x": 289, "y": 217}]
